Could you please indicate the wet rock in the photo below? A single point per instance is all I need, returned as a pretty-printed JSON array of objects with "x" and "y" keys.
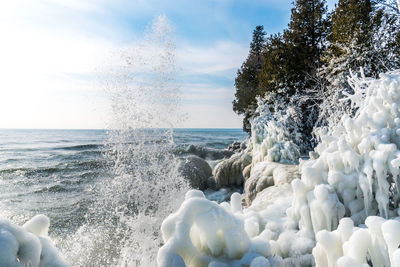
[{"x": 212, "y": 184}]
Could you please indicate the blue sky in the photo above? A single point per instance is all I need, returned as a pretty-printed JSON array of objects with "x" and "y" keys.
[{"x": 51, "y": 51}]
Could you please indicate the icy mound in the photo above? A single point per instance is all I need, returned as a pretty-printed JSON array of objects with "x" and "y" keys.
[
  {"x": 274, "y": 138},
  {"x": 203, "y": 233},
  {"x": 28, "y": 245},
  {"x": 356, "y": 174},
  {"x": 354, "y": 246}
]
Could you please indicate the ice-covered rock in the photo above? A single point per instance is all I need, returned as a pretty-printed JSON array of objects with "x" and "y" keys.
[
  {"x": 265, "y": 174},
  {"x": 196, "y": 170},
  {"x": 28, "y": 245},
  {"x": 351, "y": 179},
  {"x": 229, "y": 172},
  {"x": 204, "y": 233}
]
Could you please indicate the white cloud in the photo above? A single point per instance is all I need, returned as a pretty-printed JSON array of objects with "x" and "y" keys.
[
  {"x": 210, "y": 116},
  {"x": 220, "y": 58}
]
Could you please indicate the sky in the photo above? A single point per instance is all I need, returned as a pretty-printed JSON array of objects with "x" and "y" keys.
[{"x": 51, "y": 52}]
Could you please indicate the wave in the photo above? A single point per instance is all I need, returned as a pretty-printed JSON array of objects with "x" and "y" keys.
[
  {"x": 51, "y": 189},
  {"x": 68, "y": 167},
  {"x": 81, "y": 147}
]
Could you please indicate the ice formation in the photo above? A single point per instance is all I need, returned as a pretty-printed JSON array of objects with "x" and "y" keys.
[
  {"x": 28, "y": 245},
  {"x": 354, "y": 246},
  {"x": 353, "y": 180},
  {"x": 356, "y": 174},
  {"x": 273, "y": 138}
]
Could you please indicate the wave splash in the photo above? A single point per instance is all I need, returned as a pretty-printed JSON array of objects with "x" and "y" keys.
[{"x": 123, "y": 225}]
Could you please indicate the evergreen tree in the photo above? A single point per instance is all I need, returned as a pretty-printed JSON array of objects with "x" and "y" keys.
[
  {"x": 305, "y": 39},
  {"x": 297, "y": 52},
  {"x": 246, "y": 81},
  {"x": 273, "y": 75}
]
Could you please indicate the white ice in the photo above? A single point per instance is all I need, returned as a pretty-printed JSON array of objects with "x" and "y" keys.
[{"x": 28, "y": 245}]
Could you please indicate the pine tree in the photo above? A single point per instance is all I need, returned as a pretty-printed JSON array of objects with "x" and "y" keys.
[
  {"x": 304, "y": 42},
  {"x": 246, "y": 81},
  {"x": 305, "y": 39},
  {"x": 295, "y": 55}
]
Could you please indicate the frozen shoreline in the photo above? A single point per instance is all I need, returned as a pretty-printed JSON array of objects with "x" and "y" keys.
[{"x": 307, "y": 221}]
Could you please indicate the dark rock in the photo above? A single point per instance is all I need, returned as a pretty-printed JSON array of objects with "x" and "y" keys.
[{"x": 237, "y": 147}]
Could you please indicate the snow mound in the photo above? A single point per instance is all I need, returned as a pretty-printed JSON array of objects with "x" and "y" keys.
[
  {"x": 28, "y": 245},
  {"x": 355, "y": 246}
]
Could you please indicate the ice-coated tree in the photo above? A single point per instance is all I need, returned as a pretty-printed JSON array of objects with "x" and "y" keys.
[{"x": 363, "y": 35}]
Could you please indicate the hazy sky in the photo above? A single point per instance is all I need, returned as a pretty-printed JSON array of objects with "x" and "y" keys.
[{"x": 51, "y": 51}]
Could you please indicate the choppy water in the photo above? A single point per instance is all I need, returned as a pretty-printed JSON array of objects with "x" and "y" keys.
[{"x": 55, "y": 172}]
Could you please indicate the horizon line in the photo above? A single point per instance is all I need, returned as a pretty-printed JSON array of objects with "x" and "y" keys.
[{"x": 105, "y": 129}]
